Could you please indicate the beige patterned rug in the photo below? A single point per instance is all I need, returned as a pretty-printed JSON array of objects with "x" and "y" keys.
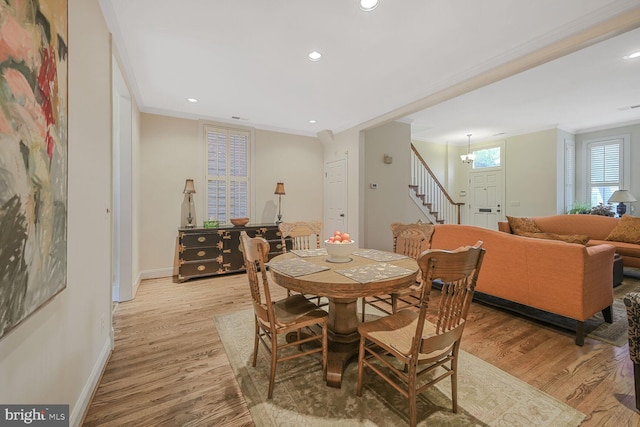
[
  {"x": 487, "y": 396},
  {"x": 616, "y": 333}
]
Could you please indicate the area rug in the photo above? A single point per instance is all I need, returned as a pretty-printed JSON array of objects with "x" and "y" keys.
[
  {"x": 487, "y": 396},
  {"x": 614, "y": 333}
]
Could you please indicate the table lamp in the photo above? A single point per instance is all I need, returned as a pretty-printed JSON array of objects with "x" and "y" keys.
[
  {"x": 189, "y": 189},
  {"x": 280, "y": 192},
  {"x": 622, "y": 196}
]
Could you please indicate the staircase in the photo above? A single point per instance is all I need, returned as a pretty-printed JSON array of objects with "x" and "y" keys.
[{"x": 427, "y": 192}]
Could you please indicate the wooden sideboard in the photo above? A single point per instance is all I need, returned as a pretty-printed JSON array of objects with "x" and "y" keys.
[{"x": 206, "y": 252}]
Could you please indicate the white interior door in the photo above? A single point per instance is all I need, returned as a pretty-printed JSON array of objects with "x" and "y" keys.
[
  {"x": 487, "y": 198},
  {"x": 122, "y": 287},
  {"x": 335, "y": 196}
]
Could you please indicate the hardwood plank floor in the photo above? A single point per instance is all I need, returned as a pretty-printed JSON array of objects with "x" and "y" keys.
[{"x": 169, "y": 368}]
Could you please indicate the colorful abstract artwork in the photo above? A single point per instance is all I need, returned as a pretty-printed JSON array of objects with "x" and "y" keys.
[{"x": 33, "y": 156}]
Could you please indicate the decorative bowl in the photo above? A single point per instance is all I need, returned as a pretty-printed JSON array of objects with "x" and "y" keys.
[
  {"x": 339, "y": 252},
  {"x": 239, "y": 222}
]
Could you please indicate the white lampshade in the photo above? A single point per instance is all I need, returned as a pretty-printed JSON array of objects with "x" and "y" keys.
[{"x": 623, "y": 196}]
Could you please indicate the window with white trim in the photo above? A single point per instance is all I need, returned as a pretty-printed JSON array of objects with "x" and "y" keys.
[
  {"x": 604, "y": 169},
  {"x": 487, "y": 158},
  {"x": 227, "y": 173}
]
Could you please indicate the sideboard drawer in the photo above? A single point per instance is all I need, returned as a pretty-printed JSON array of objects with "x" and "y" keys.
[
  {"x": 196, "y": 240},
  {"x": 204, "y": 268},
  {"x": 194, "y": 254}
]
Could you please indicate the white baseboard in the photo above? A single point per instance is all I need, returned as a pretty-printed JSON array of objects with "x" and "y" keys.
[
  {"x": 84, "y": 400},
  {"x": 157, "y": 273}
]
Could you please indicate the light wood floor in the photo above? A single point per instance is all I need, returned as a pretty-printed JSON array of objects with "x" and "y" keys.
[{"x": 169, "y": 368}]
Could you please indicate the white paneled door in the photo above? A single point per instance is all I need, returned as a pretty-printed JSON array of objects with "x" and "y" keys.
[
  {"x": 335, "y": 196},
  {"x": 486, "y": 202}
]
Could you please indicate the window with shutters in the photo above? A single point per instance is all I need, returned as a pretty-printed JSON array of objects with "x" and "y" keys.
[
  {"x": 606, "y": 171},
  {"x": 227, "y": 173}
]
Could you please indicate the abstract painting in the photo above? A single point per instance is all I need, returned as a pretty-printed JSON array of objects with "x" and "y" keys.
[{"x": 33, "y": 156}]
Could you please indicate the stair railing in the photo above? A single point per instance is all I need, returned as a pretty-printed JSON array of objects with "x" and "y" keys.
[{"x": 430, "y": 195}]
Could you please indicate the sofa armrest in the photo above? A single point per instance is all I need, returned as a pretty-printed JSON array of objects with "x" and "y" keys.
[{"x": 598, "y": 277}]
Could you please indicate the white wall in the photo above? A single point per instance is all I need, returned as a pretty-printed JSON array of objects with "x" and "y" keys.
[
  {"x": 56, "y": 355},
  {"x": 172, "y": 150}
]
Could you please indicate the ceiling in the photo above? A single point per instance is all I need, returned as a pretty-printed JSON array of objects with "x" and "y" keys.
[{"x": 246, "y": 62}]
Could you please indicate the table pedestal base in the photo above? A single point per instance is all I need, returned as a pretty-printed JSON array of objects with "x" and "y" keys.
[{"x": 340, "y": 355}]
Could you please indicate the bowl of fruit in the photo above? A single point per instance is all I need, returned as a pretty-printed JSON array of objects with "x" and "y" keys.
[{"x": 339, "y": 247}]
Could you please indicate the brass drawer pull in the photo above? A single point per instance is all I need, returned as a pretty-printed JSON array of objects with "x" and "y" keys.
[
  {"x": 201, "y": 253},
  {"x": 202, "y": 268},
  {"x": 202, "y": 239}
]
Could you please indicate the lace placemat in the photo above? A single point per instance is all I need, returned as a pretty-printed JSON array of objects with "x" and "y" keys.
[
  {"x": 374, "y": 272},
  {"x": 309, "y": 252},
  {"x": 377, "y": 255},
  {"x": 295, "y": 267}
]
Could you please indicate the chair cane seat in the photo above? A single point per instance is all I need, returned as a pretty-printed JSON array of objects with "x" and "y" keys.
[{"x": 296, "y": 309}]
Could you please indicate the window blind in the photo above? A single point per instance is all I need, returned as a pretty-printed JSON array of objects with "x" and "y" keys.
[
  {"x": 227, "y": 173},
  {"x": 604, "y": 169}
]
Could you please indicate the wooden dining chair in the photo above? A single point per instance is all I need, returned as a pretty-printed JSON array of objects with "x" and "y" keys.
[
  {"x": 276, "y": 318},
  {"x": 407, "y": 339},
  {"x": 410, "y": 240},
  {"x": 303, "y": 235}
]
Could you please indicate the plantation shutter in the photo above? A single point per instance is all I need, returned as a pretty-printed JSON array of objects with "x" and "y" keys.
[
  {"x": 604, "y": 169},
  {"x": 227, "y": 173}
]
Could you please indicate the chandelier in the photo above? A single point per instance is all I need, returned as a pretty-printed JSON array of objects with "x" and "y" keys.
[{"x": 469, "y": 157}]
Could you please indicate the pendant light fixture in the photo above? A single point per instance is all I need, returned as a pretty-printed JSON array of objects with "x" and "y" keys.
[{"x": 469, "y": 157}]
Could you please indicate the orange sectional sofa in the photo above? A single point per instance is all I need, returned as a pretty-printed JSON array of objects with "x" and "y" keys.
[
  {"x": 568, "y": 279},
  {"x": 597, "y": 227}
]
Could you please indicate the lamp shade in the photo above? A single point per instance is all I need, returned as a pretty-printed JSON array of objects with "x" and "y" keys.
[
  {"x": 279, "y": 188},
  {"x": 622, "y": 196},
  {"x": 189, "y": 187}
]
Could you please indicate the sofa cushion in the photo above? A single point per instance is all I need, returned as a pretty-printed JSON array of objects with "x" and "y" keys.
[
  {"x": 581, "y": 239},
  {"x": 521, "y": 225},
  {"x": 627, "y": 230}
]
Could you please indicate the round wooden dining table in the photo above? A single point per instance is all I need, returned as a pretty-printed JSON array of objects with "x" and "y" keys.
[{"x": 343, "y": 292}]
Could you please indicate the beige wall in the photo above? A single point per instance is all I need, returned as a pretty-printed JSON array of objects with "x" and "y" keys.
[
  {"x": 172, "y": 150},
  {"x": 390, "y": 202},
  {"x": 298, "y": 162},
  {"x": 56, "y": 355},
  {"x": 531, "y": 173}
]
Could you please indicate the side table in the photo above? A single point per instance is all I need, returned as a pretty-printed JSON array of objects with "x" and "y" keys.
[{"x": 618, "y": 270}]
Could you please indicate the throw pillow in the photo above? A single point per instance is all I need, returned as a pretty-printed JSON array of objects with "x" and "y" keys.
[
  {"x": 521, "y": 225},
  {"x": 627, "y": 230},
  {"x": 581, "y": 239}
]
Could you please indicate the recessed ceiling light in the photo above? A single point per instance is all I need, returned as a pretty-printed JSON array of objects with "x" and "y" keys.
[
  {"x": 633, "y": 55},
  {"x": 313, "y": 121},
  {"x": 314, "y": 56},
  {"x": 368, "y": 5},
  {"x": 192, "y": 100}
]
